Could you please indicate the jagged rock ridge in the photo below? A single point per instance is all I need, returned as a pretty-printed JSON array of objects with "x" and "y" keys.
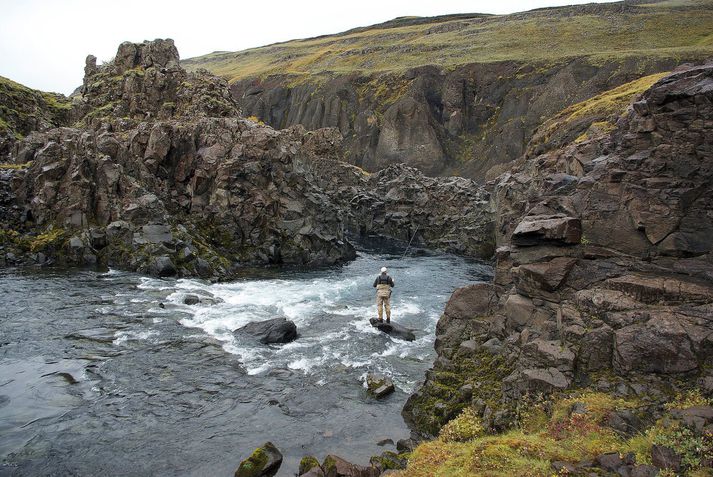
[{"x": 160, "y": 174}]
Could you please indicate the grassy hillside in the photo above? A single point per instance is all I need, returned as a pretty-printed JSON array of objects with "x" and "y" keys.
[
  {"x": 672, "y": 28},
  {"x": 23, "y": 109}
]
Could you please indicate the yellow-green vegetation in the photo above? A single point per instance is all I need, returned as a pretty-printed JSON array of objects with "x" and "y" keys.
[
  {"x": 384, "y": 89},
  {"x": 44, "y": 240},
  {"x": 610, "y": 102},
  {"x": 689, "y": 398},
  {"x": 601, "y": 32},
  {"x": 52, "y": 237},
  {"x": 595, "y": 115},
  {"x": 483, "y": 371},
  {"x": 253, "y": 465},
  {"x": 307, "y": 463},
  {"x": 465, "y": 427},
  {"x": 23, "y": 108},
  {"x": 16, "y": 167},
  {"x": 572, "y": 431}
]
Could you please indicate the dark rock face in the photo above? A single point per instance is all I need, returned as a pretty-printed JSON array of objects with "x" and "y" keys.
[
  {"x": 446, "y": 213},
  {"x": 276, "y": 330},
  {"x": 608, "y": 273},
  {"x": 160, "y": 174},
  {"x": 458, "y": 122}
]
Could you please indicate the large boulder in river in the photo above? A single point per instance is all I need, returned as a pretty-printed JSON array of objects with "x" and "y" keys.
[
  {"x": 275, "y": 330},
  {"x": 265, "y": 461},
  {"x": 393, "y": 329},
  {"x": 379, "y": 385}
]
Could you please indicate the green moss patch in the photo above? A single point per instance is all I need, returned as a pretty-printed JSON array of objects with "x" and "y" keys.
[{"x": 571, "y": 428}]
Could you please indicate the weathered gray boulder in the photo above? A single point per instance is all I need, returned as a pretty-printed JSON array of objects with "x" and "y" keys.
[
  {"x": 335, "y": 466},
  {"x": 379, "y": 385},
  {"x": 276, "y": 330},
  {"x": 661, "y": 345}
]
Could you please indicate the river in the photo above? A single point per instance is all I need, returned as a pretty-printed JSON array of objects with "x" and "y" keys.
[{"x": 109, "y": 373}]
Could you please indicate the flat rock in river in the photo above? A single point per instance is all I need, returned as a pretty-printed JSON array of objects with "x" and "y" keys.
[{"x": 393, "y": 329}]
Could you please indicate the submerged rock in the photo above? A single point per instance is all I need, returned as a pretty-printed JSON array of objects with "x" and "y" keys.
[
  {"x": 275, "y": 330},
  {"x": 393, "y": 329},
  {"x": 265, "y": 461}
]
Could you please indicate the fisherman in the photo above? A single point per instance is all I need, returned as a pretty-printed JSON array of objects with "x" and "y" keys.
[{"x": 383, "y": 284}]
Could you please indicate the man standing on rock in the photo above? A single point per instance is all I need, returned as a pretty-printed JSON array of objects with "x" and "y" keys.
[{"x": 383, "y": 284}]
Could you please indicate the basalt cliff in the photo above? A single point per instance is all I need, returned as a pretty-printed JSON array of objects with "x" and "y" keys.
[
  {"x": 152, "y": 168},
  {"x": 603, "y": 294},
  {"x": 459, "y": 94}
]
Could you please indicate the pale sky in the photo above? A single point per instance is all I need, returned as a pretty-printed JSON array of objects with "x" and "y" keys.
[{"x": 43, "y": 43}]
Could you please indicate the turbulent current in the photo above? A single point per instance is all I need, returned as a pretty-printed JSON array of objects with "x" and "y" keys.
[{"x": 110, "y": 373}]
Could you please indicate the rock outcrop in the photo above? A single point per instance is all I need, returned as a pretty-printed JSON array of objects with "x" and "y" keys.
[
  {"x": 23, "y": 110},
  {"x": 160, "y": 174},
  {"x": 604, "y": 274}
]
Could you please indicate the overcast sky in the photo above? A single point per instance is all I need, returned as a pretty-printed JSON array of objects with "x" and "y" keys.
[{"x": 43, "y": 43}]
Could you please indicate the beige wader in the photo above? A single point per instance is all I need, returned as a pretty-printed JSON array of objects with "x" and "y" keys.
[{"x": 383, "y": 296}]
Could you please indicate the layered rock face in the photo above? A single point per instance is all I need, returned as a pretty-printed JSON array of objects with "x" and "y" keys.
[
  {"x": 461, "y": 121},
  {"x": 162, "y": 176},
  {"x": 604, "y": 272}
]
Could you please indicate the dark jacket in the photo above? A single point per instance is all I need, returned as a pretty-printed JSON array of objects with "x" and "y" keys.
[{"x": 384, "y": 278}]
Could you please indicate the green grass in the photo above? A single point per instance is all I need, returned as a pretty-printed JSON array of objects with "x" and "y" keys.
[{"x": 603, "y": 32}]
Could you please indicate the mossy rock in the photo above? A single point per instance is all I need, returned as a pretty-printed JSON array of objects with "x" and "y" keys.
[
  {"x": 307, "y": 463},
  {"x": 265, "y": 461},
  {"x": 439, "y": 400}
]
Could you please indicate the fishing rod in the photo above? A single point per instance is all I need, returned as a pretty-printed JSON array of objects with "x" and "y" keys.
[{"x": 409, "y": 242}]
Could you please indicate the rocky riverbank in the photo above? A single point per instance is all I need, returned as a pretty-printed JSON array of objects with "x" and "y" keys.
[{"x": 604, "y": 279}]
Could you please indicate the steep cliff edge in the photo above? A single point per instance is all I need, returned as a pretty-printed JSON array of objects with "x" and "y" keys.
[
  {"x": 458, "y": 95},
  {"x": 604, "y": 277}
]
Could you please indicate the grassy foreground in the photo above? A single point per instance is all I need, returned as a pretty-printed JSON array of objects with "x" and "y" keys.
[
  {"x": 674, "y": 28},
  {"x": 574, "y": 429}
]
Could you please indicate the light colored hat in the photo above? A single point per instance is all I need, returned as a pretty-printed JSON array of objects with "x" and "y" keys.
[{"x": 383, "y": 269}]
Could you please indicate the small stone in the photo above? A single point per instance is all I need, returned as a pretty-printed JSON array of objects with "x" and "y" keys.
[{"x": 665, "y": 458}]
